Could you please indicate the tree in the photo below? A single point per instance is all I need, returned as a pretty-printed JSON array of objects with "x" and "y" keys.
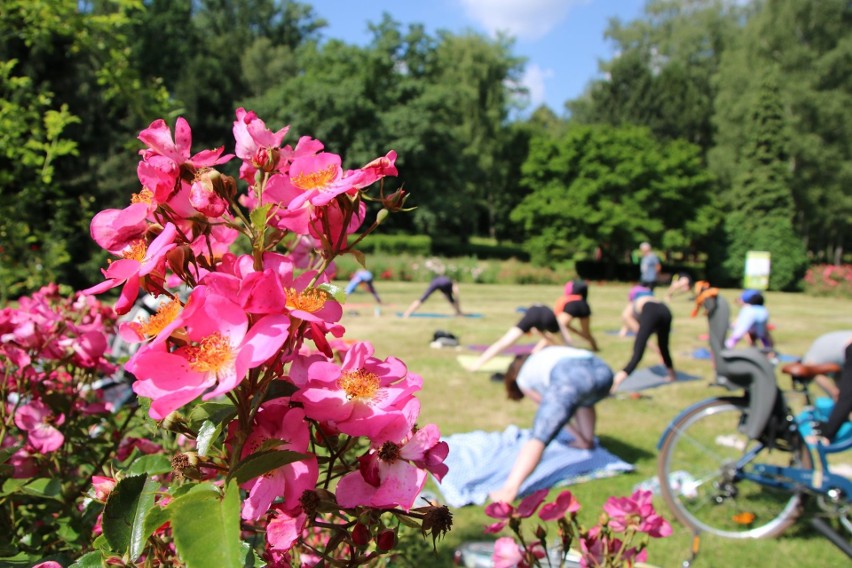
[
  {"x": 70, "y": 97},
  {"x": 662, "y": 77},
  {"x": 809, "y": 44},
  {"x": 611, "y": 187},
  {"x": 761, "y": 202}
]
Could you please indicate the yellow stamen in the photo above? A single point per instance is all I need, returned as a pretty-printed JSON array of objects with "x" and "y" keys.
[
  {"x": 211, "y": 355},
  {"x": 136, "y": 251},
  {"x": 361, "y": 384},
  {"x": 315, "y": 180},
  {"x": 144, "y": 196},
  {"x": 309, "y": 300},
  {"x": 166, "y": 314}
]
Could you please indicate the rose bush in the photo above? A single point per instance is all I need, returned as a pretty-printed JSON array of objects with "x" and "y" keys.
[
  {"x": 287, "y": 444},
  {"x": 619, "y": 539}
]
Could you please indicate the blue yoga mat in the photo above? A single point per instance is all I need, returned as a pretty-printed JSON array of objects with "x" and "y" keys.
[
  {"x": 434, "y": 315},
  {"x": 480, "y": 462},
  {"x": 615, "y": 332},
  {"x": 704, "y": 353}
]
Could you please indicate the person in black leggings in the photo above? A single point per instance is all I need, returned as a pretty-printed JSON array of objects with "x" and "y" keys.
[
  {"x": 843, "y": 407},
  {"x": 538, "y": 317},
  {"x": 645, "y": 315},
  {"x": 447, "y": 287}
]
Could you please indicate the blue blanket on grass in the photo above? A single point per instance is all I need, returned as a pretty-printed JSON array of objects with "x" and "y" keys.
[{"x": 480, "y": 461}]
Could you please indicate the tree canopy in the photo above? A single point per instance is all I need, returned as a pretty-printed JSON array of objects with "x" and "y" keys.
[{"x": 668, "y": 129}]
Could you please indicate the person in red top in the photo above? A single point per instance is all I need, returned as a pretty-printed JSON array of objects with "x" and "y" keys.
[{"x": 573, "y": 305}]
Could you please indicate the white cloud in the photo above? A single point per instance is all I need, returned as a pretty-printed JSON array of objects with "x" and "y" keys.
[
  {"x": 534, "y": 80},
  {"x": 524, "y": 19}
]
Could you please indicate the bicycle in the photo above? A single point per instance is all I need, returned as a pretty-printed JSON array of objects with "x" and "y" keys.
[{"x": 742, "y": 465}]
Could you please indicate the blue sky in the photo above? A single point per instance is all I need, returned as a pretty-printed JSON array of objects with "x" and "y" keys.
[{"x": 563, "y": 40}]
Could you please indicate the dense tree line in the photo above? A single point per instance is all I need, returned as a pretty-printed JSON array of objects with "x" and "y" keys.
[{"x": 720, "y": 127}]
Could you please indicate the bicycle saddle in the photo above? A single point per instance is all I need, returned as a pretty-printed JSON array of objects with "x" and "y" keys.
[{"x": 804, "y": 371}]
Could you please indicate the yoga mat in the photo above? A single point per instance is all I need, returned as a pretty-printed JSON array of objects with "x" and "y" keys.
[
  {"x": 433, "y": 315},
  {"x": 615, "y": 332},
  {"x": 497, "y": 364},
  {"x": 704, "y": 353},
  {"x": 480, "y": 462},
  {"x": 522, "y": 349},
  {"x": 650, "y": 377},
  {"x": 361, "y": 306}
]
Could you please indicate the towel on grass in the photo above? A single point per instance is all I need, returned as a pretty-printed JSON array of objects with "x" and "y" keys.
[
  {"x": 522, "y": 349},
  {"x": 650, "y": 377},
  {"x": 497, "y": 364},
  {"x": 480, "y": 462}
]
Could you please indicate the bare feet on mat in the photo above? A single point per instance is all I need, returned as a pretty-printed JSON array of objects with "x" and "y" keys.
[
  {"x": 671, "y": 376},
  {"x": 617, "y": 380}
]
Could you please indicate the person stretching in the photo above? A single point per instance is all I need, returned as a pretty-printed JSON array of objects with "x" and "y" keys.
[
  {"x": 538, "y": 317},
  {"x": 644, "y": 315},
  {"x": 825, "y": 431},
  {"x": 449, "y": 288},
  {"x": 573, "y": 305},
  {"x": 566, "y": 383},
  {"x": 752, "y": 321},
  {"x": 364, "y": 277}
]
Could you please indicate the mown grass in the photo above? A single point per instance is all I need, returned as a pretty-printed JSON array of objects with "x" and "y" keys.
[{"x": 459, "y": 401}]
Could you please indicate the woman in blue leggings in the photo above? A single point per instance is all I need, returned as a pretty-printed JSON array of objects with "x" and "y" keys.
[{"x": 566, "y": 383}]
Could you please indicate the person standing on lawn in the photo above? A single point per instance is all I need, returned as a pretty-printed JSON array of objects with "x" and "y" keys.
[
  {"x": 649, "y": 266},
  {"x": 566, "y": 383}
]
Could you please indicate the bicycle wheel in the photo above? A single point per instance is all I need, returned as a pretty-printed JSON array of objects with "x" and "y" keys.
[{"x": 704, "y": 492}]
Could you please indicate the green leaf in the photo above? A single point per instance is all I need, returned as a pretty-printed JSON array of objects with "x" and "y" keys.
[
  {"x": 337, "y": 292},
  {"x": 206, "y": 527},
  {"x": 156, "y": 518},
  {"x": 278, "y": 389},
  {"x": 251, "y": 559},
  {"x": 94, "y": 559},
  {"x": 259, "y": 463},
  {"x": 215, "y": 412},
  {"x": 207, "y": 434},
  {"x": 359, "y": 256},
  {"x": 6, "y": 453},
  {"x": 41, "y": 487},
  {"x": 150, "y": 464},
  {"x": 124, "y": 514}
]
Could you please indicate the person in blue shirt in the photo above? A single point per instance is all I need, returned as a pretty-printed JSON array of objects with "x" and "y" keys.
[
  {"x": 752, "y": 321},
  {"x": 364, "y": 277}
]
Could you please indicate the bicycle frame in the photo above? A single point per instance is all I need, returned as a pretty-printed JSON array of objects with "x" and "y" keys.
[{"x": 818, "y": 481}]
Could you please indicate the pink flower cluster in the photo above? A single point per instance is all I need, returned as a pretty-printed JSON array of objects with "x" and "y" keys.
[
  {"x": 233, "y": 325},
  {"x": 607, "y": 544},
  {"x": 829, "y": 279},
  {"x": 52, "y": 347}
]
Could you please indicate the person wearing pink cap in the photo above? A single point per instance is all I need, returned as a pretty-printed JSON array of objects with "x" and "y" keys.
[{"x": 645, "y": 315}]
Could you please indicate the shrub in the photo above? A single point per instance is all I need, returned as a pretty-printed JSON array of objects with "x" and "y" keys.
[{"x": 829, "y": 280}]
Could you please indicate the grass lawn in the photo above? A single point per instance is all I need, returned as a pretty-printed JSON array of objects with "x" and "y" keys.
[{"x": 458, "y": 401}]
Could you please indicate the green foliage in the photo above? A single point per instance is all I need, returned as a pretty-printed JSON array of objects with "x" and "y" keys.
[
  {"x": 418, "y": 245},
  {"x": 206, "y": 526},
  {"x": 760, "y": 202},
  {"x": 610, "y": 187},
  {"x": 67, "y": 86},
  {"x": 816, "y": 94}
]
